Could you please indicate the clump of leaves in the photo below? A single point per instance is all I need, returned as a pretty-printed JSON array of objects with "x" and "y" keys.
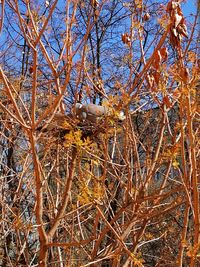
[
  {"x": 74, "y": 137},
  {"x": 137, "y": 260},
  {"x": 90, "y": 186},
  {"x": 172, "y": 153},
  {"x": 178, "y": 27},
  {"x": 90, "y": 193}
]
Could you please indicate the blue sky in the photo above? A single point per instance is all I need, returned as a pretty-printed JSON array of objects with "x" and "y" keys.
[{"x": 189, "y": 7}]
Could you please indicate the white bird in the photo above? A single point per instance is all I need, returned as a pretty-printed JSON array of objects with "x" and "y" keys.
[{"x": 92, "y": 112}]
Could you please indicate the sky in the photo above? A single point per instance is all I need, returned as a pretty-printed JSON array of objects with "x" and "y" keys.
[{"x": 189, "y": 7}]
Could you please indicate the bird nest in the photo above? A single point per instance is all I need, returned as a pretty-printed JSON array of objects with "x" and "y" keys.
[{"x": 61, "y": 125}]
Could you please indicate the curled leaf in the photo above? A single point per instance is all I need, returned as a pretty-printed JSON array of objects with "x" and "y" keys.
[
  {"x": 146, "y": 17},
  {"x": 126, "y": 38},
  {"x": 178, "y": 26},
  {"x": 164, "y": 53}
]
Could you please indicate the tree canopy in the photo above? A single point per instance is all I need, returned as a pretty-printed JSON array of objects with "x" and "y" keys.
[{"x": 99, "y": 133}]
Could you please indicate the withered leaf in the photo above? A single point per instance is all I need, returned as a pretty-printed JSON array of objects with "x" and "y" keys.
[
  {"x": 167, "y": 101},
  {"x": 164, "y": 53}
]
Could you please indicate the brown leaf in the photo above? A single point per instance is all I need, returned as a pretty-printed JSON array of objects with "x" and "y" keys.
[
  {"x": 167, "y": 101},
  {"x": 184, "y": 74},
  {"x": 182, "y": 29},
  {"x": 126, "y": 38},
  {"x": 178, "y": 28},
  {"x": 123, "y": 38},
  {"x": 146, "y": 17},
  {"x": 156, "y": 76},
  {"x": 164, "y": 53},
  {"x": 31, "y": 69},
  {"x": 157, "y": 60}
]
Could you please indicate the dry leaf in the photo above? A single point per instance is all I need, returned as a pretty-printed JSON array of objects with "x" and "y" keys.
[
  {"x": 126, "y": 38},
  {"x": 167, "y": 101},
  {"x": 146, "y": 17},
  {"x": 164, "y": 53},
  {"x": 156, "y": 76},
  {"x": 178, "y": 19},
  {"x": 184, "y": 74}
]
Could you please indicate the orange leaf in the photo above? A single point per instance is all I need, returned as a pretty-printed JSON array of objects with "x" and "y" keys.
[
  {"x": 164, "y": 53},
  {"x": 146, "y": 17},
  {"x": 184, "y": 74},
  {"x": 156, "y": 76},
  {"x": 167, "y": 101}
]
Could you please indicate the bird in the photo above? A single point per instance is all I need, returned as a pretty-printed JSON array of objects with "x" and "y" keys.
[{"x": 92, "y": 112}]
